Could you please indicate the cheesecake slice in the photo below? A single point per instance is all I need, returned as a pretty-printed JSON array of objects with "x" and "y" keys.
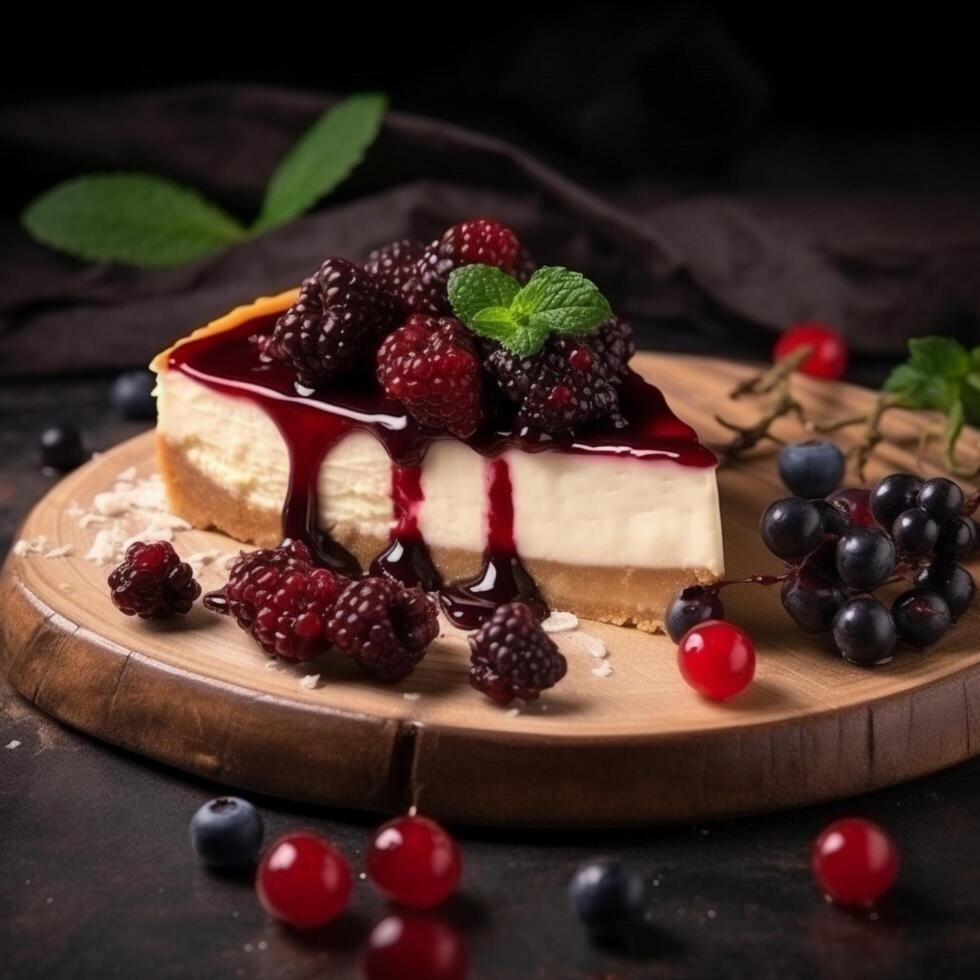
[{"x": 608, "y": 525}]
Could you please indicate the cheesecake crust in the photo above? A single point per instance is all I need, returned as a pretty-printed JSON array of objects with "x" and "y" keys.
[{"x": 621, "y": 596}]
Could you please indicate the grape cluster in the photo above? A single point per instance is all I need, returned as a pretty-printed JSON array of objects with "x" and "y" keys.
[{"x": 841, "y": 550}]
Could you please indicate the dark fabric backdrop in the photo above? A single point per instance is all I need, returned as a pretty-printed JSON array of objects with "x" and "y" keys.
[{"x": 882, "y": 265}]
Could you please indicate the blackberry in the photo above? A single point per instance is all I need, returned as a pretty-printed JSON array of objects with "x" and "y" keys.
[
  {"x": 571, "y": 381},
  {"x": 280, "y": 599},
  {"x": 383, "y": 627},
  {"x": 482, "y": 240},
  {"x": 512, "y": 657},
  {"x": 430, "y": 365},
  {"x": 153, "y": 583},
  {"x": 340, "y": 316},
  {"x": 394, "y": 264},
  {"x": 615, "y": 345}
]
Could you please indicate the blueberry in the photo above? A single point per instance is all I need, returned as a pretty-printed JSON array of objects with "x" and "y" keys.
[
  {"x": 915, "y": 531},
  {"x": 791, "y": 528},
  {"x": 835, "y": 520},
  {"x": 693, "y": 605},
  {"x": 811, "y": 469},
  {"x": 865, "y": 558},
  {"x": 227, "y": 833},
  {"x": 892, "y": 495},
  {"x": 957, "y": 538},
  {"x": 921, "y": 617},
  {"x": 61, "y": 448},
  {"x": 951, "y": 581},
  {"x": 864, "y": 632},
  {"x": 942, "y": 498},
  {"x": 607, "y": 897},
  {"x": 811, "y": 599},
  {"x": 131, "y": 396}
]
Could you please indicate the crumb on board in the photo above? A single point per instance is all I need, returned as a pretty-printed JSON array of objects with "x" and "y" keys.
[{"x": 309, "y": 681}]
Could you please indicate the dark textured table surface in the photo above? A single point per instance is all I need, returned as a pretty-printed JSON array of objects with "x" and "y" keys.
[{"x": 97, "y": 878}]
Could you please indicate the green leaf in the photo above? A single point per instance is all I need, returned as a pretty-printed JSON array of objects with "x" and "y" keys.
[
  {"x": 325, "y": 155},
  {"x": 918, "y": 389},
  {"x": 970, "y": 397},
  {"x": 133, "y": 218},
  {"x": 473, "y": 288},
  {"x": 939, "y": 356},
  {"x": 557, "y": 300}
]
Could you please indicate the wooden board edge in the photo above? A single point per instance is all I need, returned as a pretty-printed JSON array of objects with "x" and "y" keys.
[{"x": 317, "y": 754}]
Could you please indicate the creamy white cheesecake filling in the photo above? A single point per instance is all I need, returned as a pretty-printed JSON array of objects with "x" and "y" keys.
[{"x": 577, "y": 509}]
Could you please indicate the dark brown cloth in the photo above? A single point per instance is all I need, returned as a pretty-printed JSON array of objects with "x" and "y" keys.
[{"x": 881, "y": 267}]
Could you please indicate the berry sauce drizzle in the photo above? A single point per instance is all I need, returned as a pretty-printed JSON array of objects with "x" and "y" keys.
[
  {"x": 503, "y": 577},
  {"x": 407, "y": 558},
  {"x": 311, "y": 423}
]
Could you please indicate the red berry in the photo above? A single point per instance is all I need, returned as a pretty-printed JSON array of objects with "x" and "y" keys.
[
  {"x": 414, "y": 946},
  {"x": 153, "y": 583},
  {"x": 830, "y": 355},
  {"x": 716, "y": 658},
  {"x": 384, "y": 627},
  {"x": 303, "y": 881},
  {"x": 482, "y": 240},
  {"x": 414, "y": 861},
  {"x": 430, "y": 365},
  {"x": 281, "y": 599},
  {"x": 854, "y": 861}
]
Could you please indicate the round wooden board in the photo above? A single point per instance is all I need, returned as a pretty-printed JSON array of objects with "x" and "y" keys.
[{"x": 634, "y": 747}]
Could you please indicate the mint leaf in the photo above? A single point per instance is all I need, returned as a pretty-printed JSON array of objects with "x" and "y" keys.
[
  {"x": 473, "y": 288},
  {"x": 940, "y": 356},
  {"x": 555, "y": 300},
  {"x": 325, "y": 155},
  {"x": 919, "y": 389},
  {"x": 558, "y": 300},
  {"x": 131, "y": 218},
  {"x": 517, "y": 335}
]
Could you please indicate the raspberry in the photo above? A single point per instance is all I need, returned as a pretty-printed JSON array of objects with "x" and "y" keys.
[
  {"x": 383, "y": 626},
  {"x": 481, "y": 240},
  {"x": 430, "y": 365},
  {"x": 393, "y": 264},
  {"x": 341, "y": 314},
  {"x": 570, "y": 381},
  {"x": 512, "y": 657},
  {"x": 153, "y": 583},
  {"x": 280, "y": 599}
]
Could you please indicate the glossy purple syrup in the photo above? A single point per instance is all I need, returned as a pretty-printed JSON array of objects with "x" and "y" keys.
[
  {"x": 407, "y": 558},
  {"x": 313, "y": 422},
  {"x": 503, "y": 577}
]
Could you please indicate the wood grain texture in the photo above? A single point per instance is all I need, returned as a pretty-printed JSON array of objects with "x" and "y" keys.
[{"x": 633, "y": 748}]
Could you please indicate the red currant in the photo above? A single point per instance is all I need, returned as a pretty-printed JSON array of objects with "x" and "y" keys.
[
  {"x": 856, "y": 503},
  {"x": 303, "y": 881},
  {"x": 414, "y": 946},
  {"x": 854, "y": 861},
  {"x": 716, "y": 658},
  {"x": 414, "y": 861},
  {"x": 830, "y": 356}
]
